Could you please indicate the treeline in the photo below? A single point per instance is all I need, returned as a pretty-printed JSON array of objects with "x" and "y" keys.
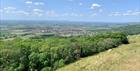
[
  {"x": 129, "y": 30},
  {"x": 5, "y": 35},
  {"x": 52, "y": 53}
]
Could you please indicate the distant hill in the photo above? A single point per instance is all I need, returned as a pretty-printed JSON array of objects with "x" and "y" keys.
[{"x": 43, "y": 22}]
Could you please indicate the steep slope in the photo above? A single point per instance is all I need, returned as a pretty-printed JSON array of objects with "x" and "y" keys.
[{"x": 123, "y": 58}]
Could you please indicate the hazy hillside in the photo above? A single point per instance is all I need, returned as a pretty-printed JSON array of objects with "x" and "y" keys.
[
  {"x": 124, "y": 58},
  {"x": 10, "y": 29}
]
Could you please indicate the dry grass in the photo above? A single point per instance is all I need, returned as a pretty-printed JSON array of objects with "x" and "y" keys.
[
  {"x": 134, "y": 38},
  {"x": 124, "y": 58}
]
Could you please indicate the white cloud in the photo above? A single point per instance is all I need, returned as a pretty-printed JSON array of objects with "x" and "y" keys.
[
  {"x": 51, "y": 13},
  {"x": 65, "y": 14},
  {"x": 115, "y": 14},
  {"x": 136, "y": 13},
  {"x": 131, "y": 13},
  {"x": 96, "y": 8},
  {"x": 34, "y": 3},
  {"x": 14, "y": 11},
  {"x": 127, "y": 13},
  {"x": 95, "y": 5},
  {"x": 1, "y": 10},
  {"x": 80, "y": 4},
  {"x": 72, "y": 14},
  {"x": 9, "y": 8},
  {"x": 38, "y": 3},
  {"x": 94, "y": 14},
  {"x": 37, "y": 14},
  {"x": 38, "y": 10},
  {"x": 22, "y": 13},
  {"x": 71, "y": 0},
  {"x": 28, "y": 2},
  {"x": 100, "y": 10}
]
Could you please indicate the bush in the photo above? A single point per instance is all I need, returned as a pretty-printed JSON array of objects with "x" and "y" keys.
[{"x": 52, "y": 53}]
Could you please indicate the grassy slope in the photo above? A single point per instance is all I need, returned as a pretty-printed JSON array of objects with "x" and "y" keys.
[{"x": 124, "y": 58}]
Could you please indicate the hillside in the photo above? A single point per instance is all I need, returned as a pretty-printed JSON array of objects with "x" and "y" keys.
[{"x": 124, "y": 58}]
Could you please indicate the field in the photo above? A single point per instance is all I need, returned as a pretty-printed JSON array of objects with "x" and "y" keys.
[{"x": 124, "y": 58}]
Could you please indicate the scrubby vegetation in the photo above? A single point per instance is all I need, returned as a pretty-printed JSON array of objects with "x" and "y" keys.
[
  {"x": 125, "y": 57},
  {"x": 52, "y": 53}
]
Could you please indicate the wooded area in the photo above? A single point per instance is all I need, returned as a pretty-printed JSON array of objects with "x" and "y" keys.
[{"x": 54, "y": 52}]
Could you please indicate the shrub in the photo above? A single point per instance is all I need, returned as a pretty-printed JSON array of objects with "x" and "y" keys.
[{"x": 52, "y": 53}]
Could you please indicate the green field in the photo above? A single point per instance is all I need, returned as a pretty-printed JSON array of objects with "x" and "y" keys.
[{"x": 124, "y": 58}]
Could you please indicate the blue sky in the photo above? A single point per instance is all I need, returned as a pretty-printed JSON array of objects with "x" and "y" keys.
[{"x": 71, "y": 10}]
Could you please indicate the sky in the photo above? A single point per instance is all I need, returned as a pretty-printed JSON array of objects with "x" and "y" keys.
[{"x": 71, "y": 10}]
